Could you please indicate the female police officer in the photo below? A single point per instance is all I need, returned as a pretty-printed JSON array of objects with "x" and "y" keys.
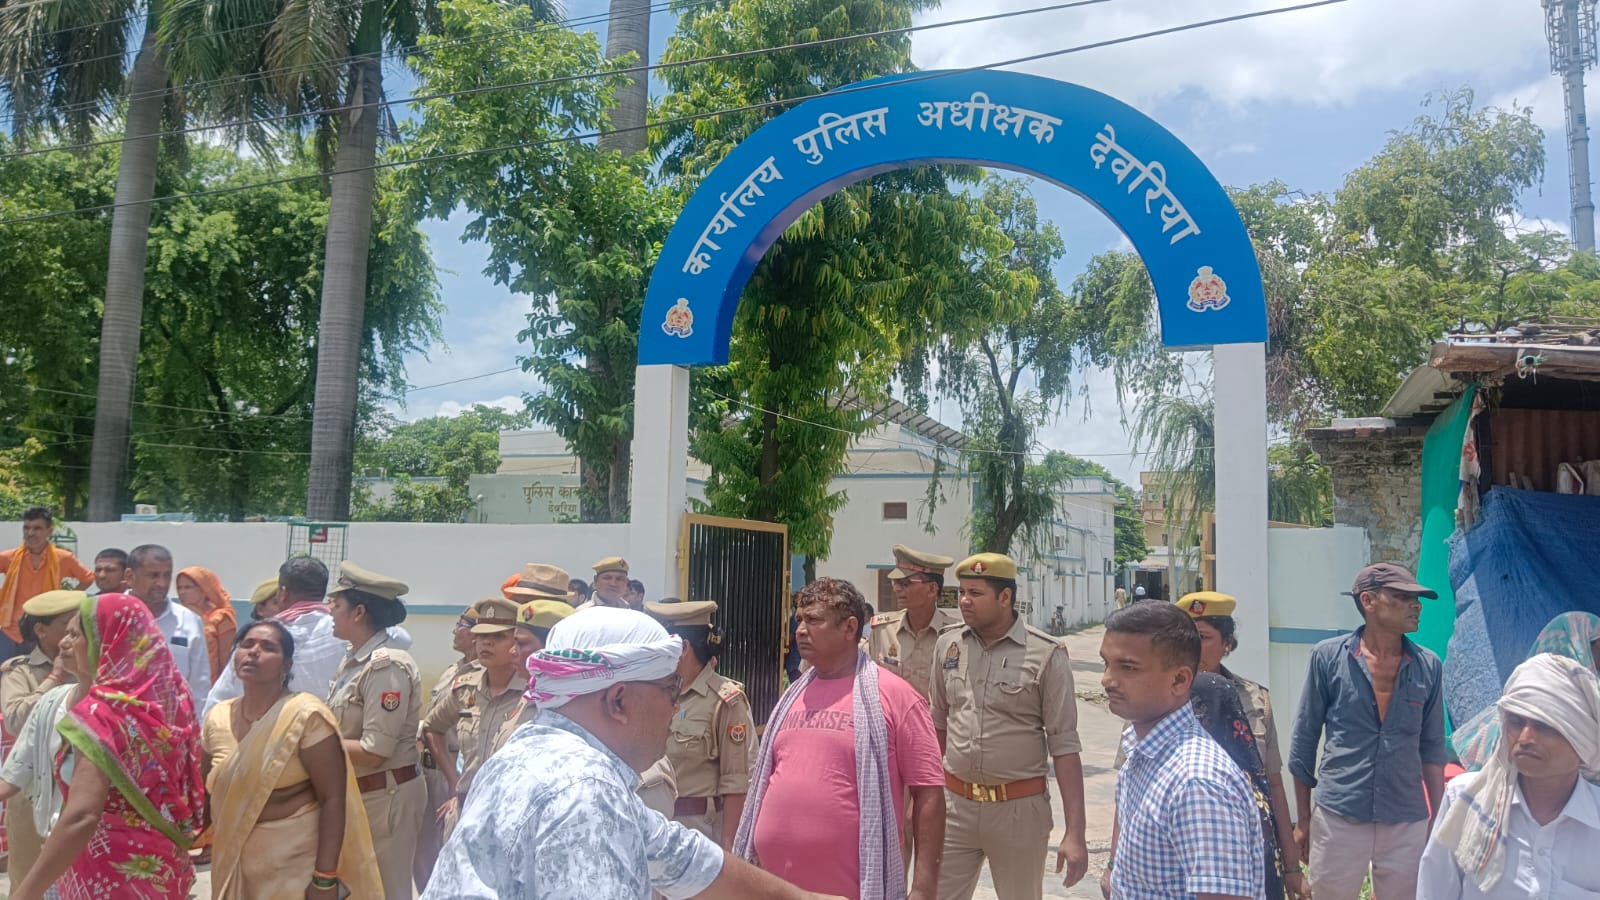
[{"x": 377, "y": 698}]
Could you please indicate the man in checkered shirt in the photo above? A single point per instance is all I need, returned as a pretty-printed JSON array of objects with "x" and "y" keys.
[{"x": 1189, "y": 829}]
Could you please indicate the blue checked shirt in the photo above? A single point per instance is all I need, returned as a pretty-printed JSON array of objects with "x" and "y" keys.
[{"x": 1189, "y": 823}]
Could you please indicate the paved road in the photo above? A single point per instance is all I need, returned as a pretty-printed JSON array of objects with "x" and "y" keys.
[{"x": 1099, "y": 730}]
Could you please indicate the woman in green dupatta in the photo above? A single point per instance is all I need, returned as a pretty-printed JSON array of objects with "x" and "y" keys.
[{"x": 129, "y": 767}]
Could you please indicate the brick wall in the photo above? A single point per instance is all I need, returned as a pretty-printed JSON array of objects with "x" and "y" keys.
[{"x": 1377, "y": 484}]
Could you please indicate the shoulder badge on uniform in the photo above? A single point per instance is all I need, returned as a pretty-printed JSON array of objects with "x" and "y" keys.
[
  {"x": 730, "y": 691},
  {"x": 391, "y": 700},
  {"x": 380, "y": 656},
  {"x": 952, "y": 656},
  {"x": 736, "y": 733}
]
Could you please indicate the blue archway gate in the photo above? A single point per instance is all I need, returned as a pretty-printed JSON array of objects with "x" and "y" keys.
[{"x": 1176, "y": 214}]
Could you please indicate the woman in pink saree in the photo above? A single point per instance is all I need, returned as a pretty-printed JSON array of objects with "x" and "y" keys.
[{"x": 129, "y": 768}]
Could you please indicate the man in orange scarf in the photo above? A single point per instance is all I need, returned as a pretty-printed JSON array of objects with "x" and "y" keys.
[{"x": 32, "y": 569}]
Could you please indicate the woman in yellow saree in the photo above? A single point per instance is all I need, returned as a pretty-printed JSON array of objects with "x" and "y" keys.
[{"x": 286, "y": 813}]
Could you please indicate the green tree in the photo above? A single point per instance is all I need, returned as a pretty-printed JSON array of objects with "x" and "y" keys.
[
  {"x": 65, "y": 65},
  {"x": 54, "y": 272},
  {"x": 222, "y": 401},
  {"x": 451, "y": 448},
  {"x": 573, "y": 226},
  {"x": 840, "y": 292},
  {"x": 325, "y": 55},
  {"x": 1011, "y": 368},
  {"x": 1299, "y": 486},
  {"x": 1178, "y": 430}
]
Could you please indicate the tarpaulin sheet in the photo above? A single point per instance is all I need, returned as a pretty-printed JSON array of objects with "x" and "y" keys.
[{"x": 1533, "y": 556}]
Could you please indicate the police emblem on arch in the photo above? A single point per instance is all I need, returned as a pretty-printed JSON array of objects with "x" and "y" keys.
[
  {"x": 1208, "y": 291},
  {"x": 680, "y": 319}
]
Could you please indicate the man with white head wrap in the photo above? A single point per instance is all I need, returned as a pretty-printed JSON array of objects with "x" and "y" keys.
[
  {"x": 562, "y": 821},
  {"x": 1527, "y": 824}
]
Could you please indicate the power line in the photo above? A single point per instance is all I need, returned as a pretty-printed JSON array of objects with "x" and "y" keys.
[
  {"x": 768, "y": 104},
  {"x": 393, "y": 54},
  {"x": 637, "y": 70}
]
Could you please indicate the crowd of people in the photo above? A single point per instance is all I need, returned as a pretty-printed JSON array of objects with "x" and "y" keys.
[{"x": 584, "y": 745}]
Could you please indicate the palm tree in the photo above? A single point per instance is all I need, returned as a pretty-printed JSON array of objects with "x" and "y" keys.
[
  {"x": 1182, "y": 442},
  {"x": 63, "y": 67},
  {"x": 275, "y": 56},
  {"x": 605, "y": 495}
]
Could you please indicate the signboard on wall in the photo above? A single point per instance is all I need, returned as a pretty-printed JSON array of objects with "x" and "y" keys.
[{"x": 524, "y": 498}]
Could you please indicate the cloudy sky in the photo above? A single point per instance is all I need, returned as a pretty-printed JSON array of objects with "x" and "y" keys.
[{"x": 1302, "y": 97}]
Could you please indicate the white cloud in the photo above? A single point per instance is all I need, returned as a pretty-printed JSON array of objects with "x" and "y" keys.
[
  {"x": 511, "y": 403},
  {"x": 1319, "y": 56}
]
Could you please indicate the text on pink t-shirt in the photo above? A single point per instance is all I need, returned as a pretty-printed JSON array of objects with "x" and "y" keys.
[{"x": 808, "y": 828}]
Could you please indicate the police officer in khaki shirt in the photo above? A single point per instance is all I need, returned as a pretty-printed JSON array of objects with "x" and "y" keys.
[
  {"x": 439, "y": 790},
  {"x": 610, "y": 584},
  {"x": 1213, "y": 618},
  {"x": 23, "y": 680},
  {"x": 1004, "y": 709},
  {"x": 479, "y": 702},
  {"x": 377, "y": 698},
  {"x": 713, "y": 743},
  {"x": 902, "y": 641}
]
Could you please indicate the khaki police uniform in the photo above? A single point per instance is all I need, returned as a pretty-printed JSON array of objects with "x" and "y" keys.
[
  {"x": 377, "y": 699},
  {"x": 23, "y": 680},
  {"x": 713, "y": 744},
  {"x": 432, "y": 838},
  {"x": 712, "y": 750},
  {"x": 1007, "y": 711},
  {"x": 472, "y": 710},
  {"x": 891, "y": 642},
  {"x": 609, "y": 564},
  {"x": 1255, "y": 699}
]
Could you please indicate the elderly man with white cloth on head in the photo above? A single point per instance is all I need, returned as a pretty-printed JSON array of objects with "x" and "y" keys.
[
  {"x": 562, "y": 821},
  {"x": 1528, "y": 824}
]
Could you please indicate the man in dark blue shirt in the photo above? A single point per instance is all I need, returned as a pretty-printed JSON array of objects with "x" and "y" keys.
[{"x": 1375, "y": 696}]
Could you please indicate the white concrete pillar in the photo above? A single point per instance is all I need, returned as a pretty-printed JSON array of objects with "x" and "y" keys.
[
  {"x": 660, "y": 475},
  {"x": 1240, "y": 394}
]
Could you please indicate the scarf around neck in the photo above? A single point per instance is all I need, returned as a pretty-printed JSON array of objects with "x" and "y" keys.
[
  {"x": 883, "y": 874},
  {"x": 10, "y": 603}
]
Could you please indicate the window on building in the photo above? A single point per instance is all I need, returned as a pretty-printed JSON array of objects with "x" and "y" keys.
[
  {"x": 1055, "y": 541},
  {"x": 894, "y": 510}
]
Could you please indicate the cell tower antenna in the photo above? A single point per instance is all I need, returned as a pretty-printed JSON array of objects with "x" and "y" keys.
[{"x": 1570, "y": 26}]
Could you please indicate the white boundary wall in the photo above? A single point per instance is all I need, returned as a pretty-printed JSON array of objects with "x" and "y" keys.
[{"x": 1308, "y": 570}]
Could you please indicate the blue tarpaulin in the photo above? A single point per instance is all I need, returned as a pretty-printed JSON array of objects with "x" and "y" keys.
[{"x": 1531, "y": 557}]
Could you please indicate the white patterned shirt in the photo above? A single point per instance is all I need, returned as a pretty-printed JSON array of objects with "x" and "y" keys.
[
  {"x": 1188, "y": 818},
  {"x": 563, "y": 822}
]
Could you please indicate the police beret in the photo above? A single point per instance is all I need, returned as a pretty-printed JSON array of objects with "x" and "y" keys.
[
  {"x": 543, "y": 613},
  {"x": 996, "y": 566},
  {"x": 1206, "y": 603},
  {"x": 264, "y": 591},
  {"x": 611, "y": 564},
  {"x": 53, "y": 603}
]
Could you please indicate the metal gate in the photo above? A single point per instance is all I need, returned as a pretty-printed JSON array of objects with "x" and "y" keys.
[{"x": 744, "y": 566}]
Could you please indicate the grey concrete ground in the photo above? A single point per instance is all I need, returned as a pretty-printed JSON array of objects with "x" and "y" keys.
[{"x": 1099, "y": 730}]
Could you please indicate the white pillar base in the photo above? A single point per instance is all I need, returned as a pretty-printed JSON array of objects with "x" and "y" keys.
[
  {"x": 1240, "y": 394},
  {"x": 660, "y": 475}
]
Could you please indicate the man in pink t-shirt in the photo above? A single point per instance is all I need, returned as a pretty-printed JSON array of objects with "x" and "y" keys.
[{"x": 807, "y": 815}]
